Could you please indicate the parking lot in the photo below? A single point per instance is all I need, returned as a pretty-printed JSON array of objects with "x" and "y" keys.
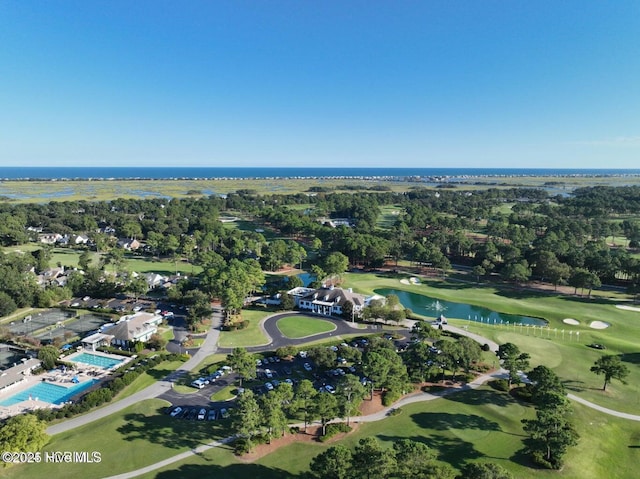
[{"x": 271, "y": 371}]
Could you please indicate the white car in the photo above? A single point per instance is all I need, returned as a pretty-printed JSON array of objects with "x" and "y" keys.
[
  {"x": 268, "y": 373},
  {"x": 202, "y": 414},
  {"x": 269, "y": 386},
  {"x": 307, "y": 367},
  {"x": 176, "y": 411}
]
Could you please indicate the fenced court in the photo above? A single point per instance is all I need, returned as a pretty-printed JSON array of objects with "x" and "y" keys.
[
  {"x": 87, "y": 323},
  {"x": 81, "y": 326},
  {"x": 37, "y": 321},
  {"x": 55, "y": 323}
]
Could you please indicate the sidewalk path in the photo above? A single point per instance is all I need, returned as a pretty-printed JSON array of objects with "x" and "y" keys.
[{"x": 611, "y": 412}]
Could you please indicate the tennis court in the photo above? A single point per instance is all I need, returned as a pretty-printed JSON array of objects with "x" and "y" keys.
[{"x": 37, "y": 321}]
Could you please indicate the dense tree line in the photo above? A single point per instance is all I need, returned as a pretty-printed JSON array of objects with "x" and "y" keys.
[{"x": 559, "y": 240}]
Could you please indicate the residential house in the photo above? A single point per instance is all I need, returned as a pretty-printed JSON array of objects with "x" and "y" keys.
[
  {"x": 128, "y": 244},
  {"x": 49, "y": 238}
]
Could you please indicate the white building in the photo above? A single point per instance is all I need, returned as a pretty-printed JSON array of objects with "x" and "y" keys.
[{"x": 327, "y": 301}]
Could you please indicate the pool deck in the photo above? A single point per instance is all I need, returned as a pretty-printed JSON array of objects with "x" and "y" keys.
[{"x": 84, "y": 372}]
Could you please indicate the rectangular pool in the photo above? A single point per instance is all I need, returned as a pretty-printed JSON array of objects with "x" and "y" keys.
[
  {"x": 48, "y": 392},
  {"x": 97, "y": 360}
]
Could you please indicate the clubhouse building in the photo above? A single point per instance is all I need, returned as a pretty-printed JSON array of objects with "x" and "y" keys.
[{"x": 327, "y": 301}]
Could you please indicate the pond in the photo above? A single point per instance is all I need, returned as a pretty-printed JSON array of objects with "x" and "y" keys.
[
  {"x": 427, "y": 306},
  {"x": 307, "y": 278}
]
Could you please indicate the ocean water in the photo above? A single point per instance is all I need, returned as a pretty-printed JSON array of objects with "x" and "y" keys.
[{"x": 70, "y": 173}]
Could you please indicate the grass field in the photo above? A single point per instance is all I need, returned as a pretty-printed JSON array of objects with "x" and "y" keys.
[
  {"x": 252, "y": 335},
  {"x": 301, "y": 327},
  {"x": 149, "y": 377},
  {"x": 132, "y": 438}
]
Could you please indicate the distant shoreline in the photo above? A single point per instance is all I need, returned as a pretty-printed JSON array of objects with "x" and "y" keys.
[{"x": 433, "y": 175}]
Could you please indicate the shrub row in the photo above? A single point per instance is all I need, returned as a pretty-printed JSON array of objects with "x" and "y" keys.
[{"x": 333, "y": 429}]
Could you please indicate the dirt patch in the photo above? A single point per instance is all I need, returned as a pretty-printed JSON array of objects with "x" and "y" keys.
[
  {"x": 371, "y": 406},
  {"x": 312, "y": 435}
]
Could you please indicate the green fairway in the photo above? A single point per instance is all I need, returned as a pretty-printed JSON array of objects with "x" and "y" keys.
[
  {"x": 295, "y": 327},
  {"x": 132, "y": 438},
  {"x": 389, "y": 215},
  {"x": 252, "y": 335}
]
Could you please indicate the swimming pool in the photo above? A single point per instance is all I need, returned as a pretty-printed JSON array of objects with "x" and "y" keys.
[
  {"x": 48, "y": 392},
  {"x": 96, "y": 360}
]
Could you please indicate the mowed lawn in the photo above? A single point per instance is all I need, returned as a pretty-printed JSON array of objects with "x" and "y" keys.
[
  {"x": 301, "y": 326},
  {"x": 135, "y": 437},
  {"x": 252, "y": 335}
]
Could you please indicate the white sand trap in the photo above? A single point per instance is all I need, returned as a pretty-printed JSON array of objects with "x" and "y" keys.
[
  {"x": 599, "y": 325},
  {"x": 404, "y": 281},
  {"x": 414, "y": 280},
  {"x": 572, "y": 321},
  {"x": 627, "y": 308}
]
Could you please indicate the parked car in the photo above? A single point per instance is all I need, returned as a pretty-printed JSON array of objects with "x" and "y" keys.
[
  {"x": 212, "y": 415},
  {"x": 224, "y": 414},
  {"x": 202, "y": 414},
  {"x": 307, "y": 367},
  {"x": 269, "y": 386},
  {"x": 176, "y": 411}
]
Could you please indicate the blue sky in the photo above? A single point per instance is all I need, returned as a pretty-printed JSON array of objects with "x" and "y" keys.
[{"x": 338, "y": 83}]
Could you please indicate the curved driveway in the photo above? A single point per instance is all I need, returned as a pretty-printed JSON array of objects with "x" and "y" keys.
[{"x": 277, "y": 339}]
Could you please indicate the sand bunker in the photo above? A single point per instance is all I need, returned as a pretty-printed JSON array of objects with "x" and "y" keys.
[
  {"x": 414, "y": 280},
  {"x": 404, "y": 281},
  {"x": 599, "y": 325},
  {"x": 572, "y": 321},
  {"x": 627, "y": 308}
]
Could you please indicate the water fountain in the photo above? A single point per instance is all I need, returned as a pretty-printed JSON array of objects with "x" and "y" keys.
[{"x": 437, "y": 306}]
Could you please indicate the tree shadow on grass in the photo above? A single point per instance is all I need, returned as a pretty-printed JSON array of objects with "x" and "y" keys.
[
  {"x": 480, "y": 397},
  {"x": 233, "y": 471},
  {"x": 633, "y": 358},
  {"x": 445, "y": 421},
  {"x": 170, "y": 432},
  {"x": 575, "y": 386},
  {"x": 451, "y": 450}
]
